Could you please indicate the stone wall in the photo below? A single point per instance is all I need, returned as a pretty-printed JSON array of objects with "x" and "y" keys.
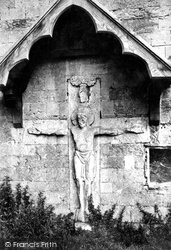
[
  {"x": 41, "y": 162},
  {"x": 150, "y": 19},
  {"x": 35, "y": 156}
]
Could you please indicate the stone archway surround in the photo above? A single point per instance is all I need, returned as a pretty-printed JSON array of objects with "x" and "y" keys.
[{"x": 103, "y": 20}]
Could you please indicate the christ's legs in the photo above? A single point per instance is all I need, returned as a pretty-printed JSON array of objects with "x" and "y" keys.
[
  {"x": 82, "y": 201},
  {"x": 80, "y": 178},
  {"x": 91, "y": 174}
]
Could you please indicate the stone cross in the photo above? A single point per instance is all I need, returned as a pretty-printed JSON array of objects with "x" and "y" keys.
[{"x": 83, "y": 134}]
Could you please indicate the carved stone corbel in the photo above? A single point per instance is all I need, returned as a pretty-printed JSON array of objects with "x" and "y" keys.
[
  {"x": 2, "y": 90},
  {"x": 14, "y": 102}
]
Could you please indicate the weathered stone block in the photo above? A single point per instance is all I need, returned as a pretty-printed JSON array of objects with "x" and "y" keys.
[
  {"x": 106, "y": 188},
  {"x": 5, "y": 149},
  {"x": 50, "y": 82},
  {"x": 4, "y": 47},
  {"x": 36, "y": 96},
  {"x": 164, "y": 134},
  {"x": 128, "y": 195},
  {"x": 59, "y": 68},
  {"x": 4, "y": 171},
  {"x": 107, "y": 81},
  {"x": 108, "y": 175},
  {"x": 160, "y": 37},
  {"x": 17, "y": 135},
  {"x": 34, "y": 111},
  {"x": 129, "y": 162},
  {"x": 60, "y": 162},
  {"x": 51, "y": 95},
  {"x": 58, "y": 186},
  {"x": 49, "y": 151},
  {"x": 52, "y": 110},
  {"x": 5, "y": 130},
  {"x": 35, "y": 84},
  {"x": 161, "y": 50},
  {"x": 114, "y": 162},
  {"x": 58, "y": 200},
  {"x": 104, "y": 149},
  {"x": 29, "y": 150},
  {"x": 165, "y": 116},
  {"x": 13, "y": 13},
  {"x": 107, "y": 109},
  {"x": 60, "y": 177},
  {"x": 109, "y": 199},
  {"x": 168, "y": 52},
  {"x": 140, "y": 108},
  {"x": 63, "y": 110}
]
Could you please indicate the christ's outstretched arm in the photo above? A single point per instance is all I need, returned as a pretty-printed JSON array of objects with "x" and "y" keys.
[
  {"x": 108, "y": 131},
  {"x": 48, "y": 131}
]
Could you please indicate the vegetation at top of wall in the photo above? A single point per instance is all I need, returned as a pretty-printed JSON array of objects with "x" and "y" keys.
[{"x": 24, "y": 220}]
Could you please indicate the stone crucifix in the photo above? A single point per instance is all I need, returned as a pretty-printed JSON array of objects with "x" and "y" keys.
[
  {"x": 84, "y": 161},
  {"x": 83, "y": 134}
]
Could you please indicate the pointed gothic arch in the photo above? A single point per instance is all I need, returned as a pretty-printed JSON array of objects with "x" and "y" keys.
[{"x": 103, "y": 22}]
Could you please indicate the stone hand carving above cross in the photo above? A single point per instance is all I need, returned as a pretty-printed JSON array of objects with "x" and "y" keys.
[{"x": 84, "y": 85}]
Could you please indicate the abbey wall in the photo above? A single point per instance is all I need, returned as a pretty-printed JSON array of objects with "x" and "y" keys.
[{"x": 128, "y": 118}]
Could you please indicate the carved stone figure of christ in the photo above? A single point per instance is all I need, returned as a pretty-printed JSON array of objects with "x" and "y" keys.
[
  {"x": 83, "y": 134},
  {"x": 84, "y": 162}
]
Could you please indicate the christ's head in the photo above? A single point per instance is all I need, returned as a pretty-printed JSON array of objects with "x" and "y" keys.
[{"x": 82, "y": 120}]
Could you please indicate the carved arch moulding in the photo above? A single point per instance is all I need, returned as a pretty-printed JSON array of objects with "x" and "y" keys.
[{"x": 104, "y": 21}]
